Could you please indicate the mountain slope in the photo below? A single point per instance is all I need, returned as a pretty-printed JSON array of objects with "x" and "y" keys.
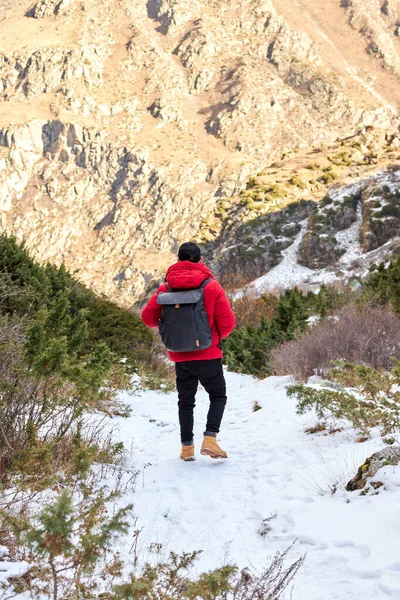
[{"x": 122, "y": 125}]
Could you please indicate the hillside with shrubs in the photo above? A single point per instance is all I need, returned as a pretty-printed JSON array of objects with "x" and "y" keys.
[
  {"x": 64, "y": 352},
  {"x": 66, "y": 355},
  {"x": 301, "y": 334},
  {"x": 348, "y": 343},
  {"x": 73, "y": 368}
]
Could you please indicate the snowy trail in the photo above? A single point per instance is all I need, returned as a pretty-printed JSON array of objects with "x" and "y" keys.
[{"x": 274, "y": 468}]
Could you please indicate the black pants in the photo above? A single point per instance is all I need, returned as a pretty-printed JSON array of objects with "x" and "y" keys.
[{"x": 211, "y": 377}]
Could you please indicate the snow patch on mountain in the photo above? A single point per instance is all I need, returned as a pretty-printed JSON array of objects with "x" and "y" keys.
[
  {"x": 288, "y": 273},
  {"x": 354, "y": 262}
]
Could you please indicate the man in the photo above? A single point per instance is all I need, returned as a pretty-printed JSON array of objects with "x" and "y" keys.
[{"x": 194, "y": 366}]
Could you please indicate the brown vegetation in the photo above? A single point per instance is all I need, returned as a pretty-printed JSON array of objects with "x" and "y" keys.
[
  {"x": 249, "y": 307},
  {"x": 365, "y": 335}
]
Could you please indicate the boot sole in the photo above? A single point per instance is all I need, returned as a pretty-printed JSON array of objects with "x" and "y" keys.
[
  {"x": 211, "y": 453},
  {"x": 190, "y": 459}
]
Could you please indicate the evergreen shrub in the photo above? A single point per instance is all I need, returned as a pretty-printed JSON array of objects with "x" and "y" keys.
[
  {"x": 367, "y": 398},
  {"x": 47, "y": 289},
  {"x": 61, "y": 349},
  {"x": 69, "y": 544},
  {"x": 248, "y": 349},
  {"x": 383, "y": 285}
]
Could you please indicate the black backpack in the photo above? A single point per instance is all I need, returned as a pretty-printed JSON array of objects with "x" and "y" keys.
[{"x": 183, "y": 325}]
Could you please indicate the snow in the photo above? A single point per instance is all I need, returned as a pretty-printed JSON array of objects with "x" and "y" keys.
[
  {"x": 275, "y": 472},
  {"x": 10, "y": 568},
  {"x": 352, "y": 542},
  {"x": 288, "y": 273},
  {"x": 349, "y": 239}
]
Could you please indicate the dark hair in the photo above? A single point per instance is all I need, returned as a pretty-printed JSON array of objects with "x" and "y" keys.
[{"x": 189, "y": 251}]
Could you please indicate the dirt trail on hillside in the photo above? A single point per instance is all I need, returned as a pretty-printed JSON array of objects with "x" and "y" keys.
[
  {"x": 22, "y": 34},
  {"x": 343, "y": 49}
]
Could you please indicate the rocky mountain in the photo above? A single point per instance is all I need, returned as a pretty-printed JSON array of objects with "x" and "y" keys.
[
  {"x": 309, "y": 244},
  {"x": 126, "y": 128}
]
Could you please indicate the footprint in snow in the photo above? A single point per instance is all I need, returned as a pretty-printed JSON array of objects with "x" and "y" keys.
[
  {"x": 298, "y": 499},
  {"x": 363, "y": 550},
  {"x": 367, "y": 574}
]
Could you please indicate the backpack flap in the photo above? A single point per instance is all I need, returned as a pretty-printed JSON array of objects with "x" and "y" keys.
[{"x": 186, "y": 297}]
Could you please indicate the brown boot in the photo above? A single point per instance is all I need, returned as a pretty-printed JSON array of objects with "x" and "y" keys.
[
  {"x": 211, "y": 448},
  {"x": 187, "y": 453}
]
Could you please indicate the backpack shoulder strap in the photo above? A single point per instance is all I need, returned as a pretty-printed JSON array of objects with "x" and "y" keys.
[{"x": 204, "y": 283}]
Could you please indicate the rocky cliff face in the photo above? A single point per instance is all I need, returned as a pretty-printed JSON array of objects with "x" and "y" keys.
[
  {"x": 124, "y": 125},
  {"x": 378, "y": 23},
  {"x": 78, "y": 198},
  {"x": 311, "y": 243}
]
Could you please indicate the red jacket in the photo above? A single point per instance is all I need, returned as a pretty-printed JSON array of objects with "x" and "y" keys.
[{"x": 188, "y": 275}]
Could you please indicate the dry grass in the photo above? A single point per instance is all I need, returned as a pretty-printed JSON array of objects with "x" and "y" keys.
[
  {"x": 271, "y": 583},
  {"x": 248, "y": 306},
  {"x": 369, "y": 336},
  {"x": 315, "y": 428},
  {"x": 160, "y": 374}
]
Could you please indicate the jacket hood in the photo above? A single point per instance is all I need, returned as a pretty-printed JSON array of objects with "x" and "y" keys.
[{"x": 187, "y": 275}]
